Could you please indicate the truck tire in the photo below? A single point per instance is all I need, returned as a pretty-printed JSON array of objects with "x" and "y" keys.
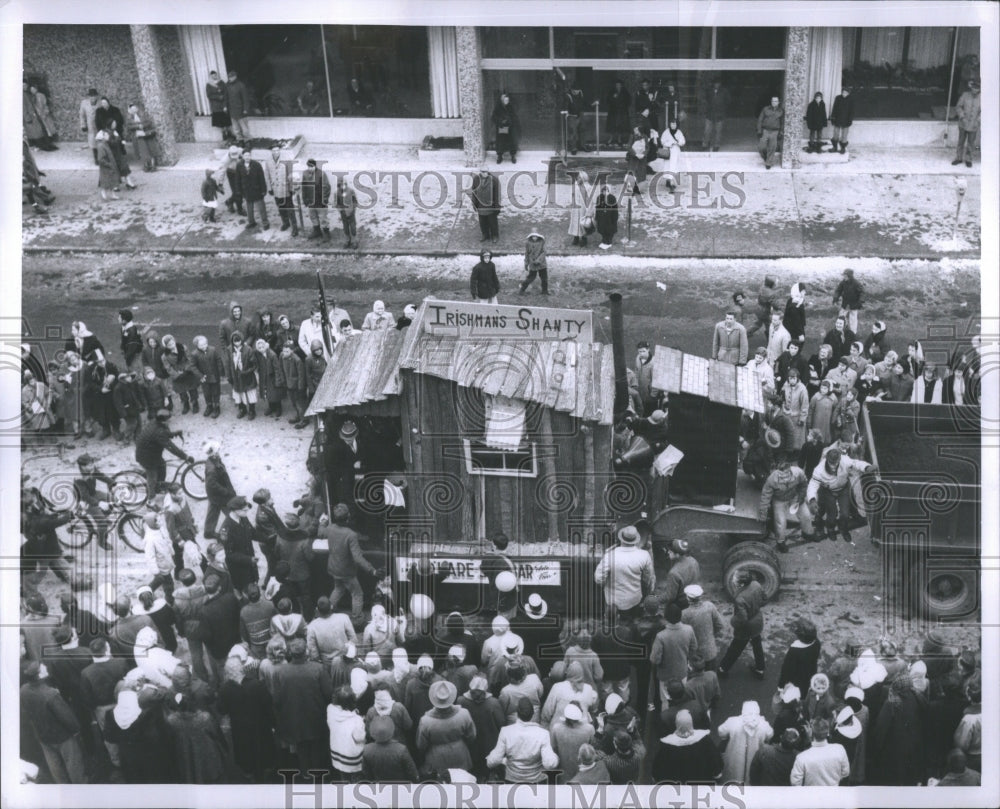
[
  {"x": 945, "y": 593},
  {"x": 759, "y": 560}
]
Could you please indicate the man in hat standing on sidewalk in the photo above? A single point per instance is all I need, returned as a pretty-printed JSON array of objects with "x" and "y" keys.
[
  {"x": 626, "y": 572},
  {"x": 535, "y": 263},
  {"x": 969, "y": 112},
  {"x": 684, "y": 570},
  {"x": 485, "y": 196}
]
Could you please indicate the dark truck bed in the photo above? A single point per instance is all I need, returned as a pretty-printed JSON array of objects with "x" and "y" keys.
[{"x": 927, "y": 487}]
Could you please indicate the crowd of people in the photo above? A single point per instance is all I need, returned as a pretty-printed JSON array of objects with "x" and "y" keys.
[{"x": 85, "y": 390}]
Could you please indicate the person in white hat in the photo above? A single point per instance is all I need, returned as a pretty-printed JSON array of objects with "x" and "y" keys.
[
  {"x": 788, "y": 700},
  {"x": 824, "y": 764},
  {"x": 745, "y": 734},
  {"x": 568, "y": 733},
  {"x": 703, "y": 617},
  {"x": 502, "y": 637},
  {"x": 626, "y": 572}
]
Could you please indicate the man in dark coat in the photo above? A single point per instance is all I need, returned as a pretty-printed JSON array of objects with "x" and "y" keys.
[
  {"x": 895, "y": 742},
  {"x": 152, "y": 440},
  {"x": 849, "y": 291},
  {"x": 485, "y": 195},
  {"x": 772, "y": 763},
  {"x": 647, "y": 106},
  {"x": 302, "y": 691},
  {"x": 240, "y": 535},
  {"x": 238, "y": 107},
  {"x": 55, "y": 725},
  {"x": 123, "y": 634},
  {"x": 618, "y": 104},
  {"x": 606, "y": 217},
  {"x": 219, "y": 623},
  {"x": 131, "y": 341},
  {"x": 344, "y": 561},
  {"x": 716, "y": 110},
  {"x": 842, "y": 116},
  {"x": 218, "y": 487},
  {"x": 687, "y": 754},
  {"x": 343, "y": 462},
  {"x": 748, "y": 624},
  {"x": 253, "y": 188}
]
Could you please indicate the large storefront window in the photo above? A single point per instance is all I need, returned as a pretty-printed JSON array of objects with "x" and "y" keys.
[
  {"x": 905, "y": 73},
  {"x": 515, "y": 43},
  {"x": 286, "y": 73},
  {"x": 750, "y": 43}
]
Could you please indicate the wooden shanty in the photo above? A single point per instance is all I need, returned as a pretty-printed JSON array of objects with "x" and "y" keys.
[{"x": 510, "y": 435}]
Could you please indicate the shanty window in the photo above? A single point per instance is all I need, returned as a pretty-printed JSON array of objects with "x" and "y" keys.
[{"x": 483, "y": 460}]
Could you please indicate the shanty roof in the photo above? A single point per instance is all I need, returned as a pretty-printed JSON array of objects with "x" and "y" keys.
[
  {"x": 364, "y": 369},
  {"x": 677, "y": 372},
  {"x": 568, "y": 377}
]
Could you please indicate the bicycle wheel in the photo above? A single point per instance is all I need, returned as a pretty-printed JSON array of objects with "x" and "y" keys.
[
  {"x": 129, "y": 489},
  {"x": 193, "y": 481},
  {"x": 131, "y": 529},
  {"x": 77, "y": 533}
]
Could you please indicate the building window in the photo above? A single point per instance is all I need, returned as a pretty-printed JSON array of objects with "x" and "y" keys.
[
  {"x": 483, "y": 460},
  {"x": 515, "y": 43},
  {"x": 389, "y": 63},
  {"x": 750, "y": 43},
  {"x": 906, "y": 73}
]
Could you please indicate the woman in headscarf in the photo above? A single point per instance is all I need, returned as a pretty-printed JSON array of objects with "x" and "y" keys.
[
  {"x": 183, "y": 376},
  {"x": 488, "y": 716},
  {"x": 869, "y": 675},
  {"x": 743, "y": 734},
  {"x": 383, "y": 704},
  {"x": 401, "y": 672},
  {"x": 819, "y": 702},
  {"x": 574, "y": 688},
  {"x": 108, "y": 176},
  {"x": 241, "y": 369},
  {"x": 136, "y": 725},
  {"x": 581, "y": 214},
  {"x": 671, "y": 141},
  {"x": 854, "y": 698},
  {"x": 896, "y": 755},
  {"x": 247, "y": 703},
  {"x": 501, "y": 639}
]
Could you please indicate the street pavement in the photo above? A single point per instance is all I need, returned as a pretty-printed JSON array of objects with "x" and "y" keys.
[{"x": 886, "y": 203}]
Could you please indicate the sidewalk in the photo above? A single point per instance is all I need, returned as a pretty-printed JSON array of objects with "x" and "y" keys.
[{"x": 888, "y": 203}]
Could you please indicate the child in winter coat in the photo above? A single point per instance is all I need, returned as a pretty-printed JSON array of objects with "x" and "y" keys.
[
  {"x": 155, "y": 393},
  {"x": 845, "y": 417},
  {"x": 270, "y": 378},
  {"x": 535, "y": 262},
  {"x": 129, "y": 401},
  {"x": 816, "y": 120},
  {"x": 210, "y": 191}
]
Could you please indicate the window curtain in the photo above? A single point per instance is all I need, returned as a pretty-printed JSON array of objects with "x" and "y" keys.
[
  {"x": 881, "y": 45},
  {"x": 443, "y": 54},
  {"x": 826, "y": 61},
  {"x": 930, "y": 47},
  {"x": 202, "y": 46}
]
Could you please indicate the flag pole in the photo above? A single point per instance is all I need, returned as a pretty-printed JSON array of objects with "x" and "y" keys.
[{"x": 325, "y": 315}]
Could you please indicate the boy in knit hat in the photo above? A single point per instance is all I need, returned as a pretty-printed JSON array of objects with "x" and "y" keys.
[
  {"x": 210, "y": 191},
  {"x": 535, "y": 263}
]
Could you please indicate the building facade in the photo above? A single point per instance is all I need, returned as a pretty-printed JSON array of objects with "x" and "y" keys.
[{"x": 414, "y": 82}]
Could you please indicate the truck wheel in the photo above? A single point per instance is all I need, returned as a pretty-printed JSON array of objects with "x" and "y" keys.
[
  {"x": 945, "y": 593},
  {"x": 757, "y": 559}
]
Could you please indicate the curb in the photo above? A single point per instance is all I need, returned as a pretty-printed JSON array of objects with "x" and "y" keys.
[{"x": 437, "y": 253}]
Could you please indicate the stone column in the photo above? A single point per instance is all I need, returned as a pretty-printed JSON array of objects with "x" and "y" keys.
[
  {"x": 470, "y": 93},
  {"x": 796, "y": 95},
  {"x": 156, "y": 96}
]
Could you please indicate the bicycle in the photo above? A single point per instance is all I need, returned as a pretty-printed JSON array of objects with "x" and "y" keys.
[
  {"x": 191, "y": 477},
  {"x": 84, "y": 527}
]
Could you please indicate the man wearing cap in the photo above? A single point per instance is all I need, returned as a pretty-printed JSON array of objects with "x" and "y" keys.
[
  {"x": 829, "y": 493},
  {"x": 524, "y": 749},
  {"x": 703, "y": 617},
  {"x": 153, "y": 439},
  {"x": 684, "y": 570},
  {"x": 385, "y": 759},
  {"x": 772, "y": 764},
  {"x": 344, "y": 561},
  {"x": 239, "y": 544},
  {"x": 823, "y": 764},
  {"x": 568, "y": 733},
  {"x": 729, "y": 341},
  {"x": 626, "y": 572},
  {"x": 784, "y": 492},
  {"x": 969, "y": 114}
]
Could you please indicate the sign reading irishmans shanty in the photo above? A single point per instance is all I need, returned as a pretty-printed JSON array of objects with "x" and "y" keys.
[{"x": 482, "y": 321}]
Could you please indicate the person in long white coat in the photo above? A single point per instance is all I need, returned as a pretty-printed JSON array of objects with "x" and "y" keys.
[
  {"x": 744, "y": 735},
  {"x": 581, "y": 211},
  {"x": 671, "y": 142}
]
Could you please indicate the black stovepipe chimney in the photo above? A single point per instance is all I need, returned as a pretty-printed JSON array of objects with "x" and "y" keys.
[{"x": 618, "y": 347}]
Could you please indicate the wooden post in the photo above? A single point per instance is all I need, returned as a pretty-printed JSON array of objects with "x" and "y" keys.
[{"x": 549, "y": 468}]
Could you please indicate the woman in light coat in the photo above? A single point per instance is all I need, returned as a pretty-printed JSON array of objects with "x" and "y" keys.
[
  {"x": 744, "y": 735},
  {"x": 581, "y": 214},
  {"x": 671, "y": 141},
  {"x": 108, "y": 178}
]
